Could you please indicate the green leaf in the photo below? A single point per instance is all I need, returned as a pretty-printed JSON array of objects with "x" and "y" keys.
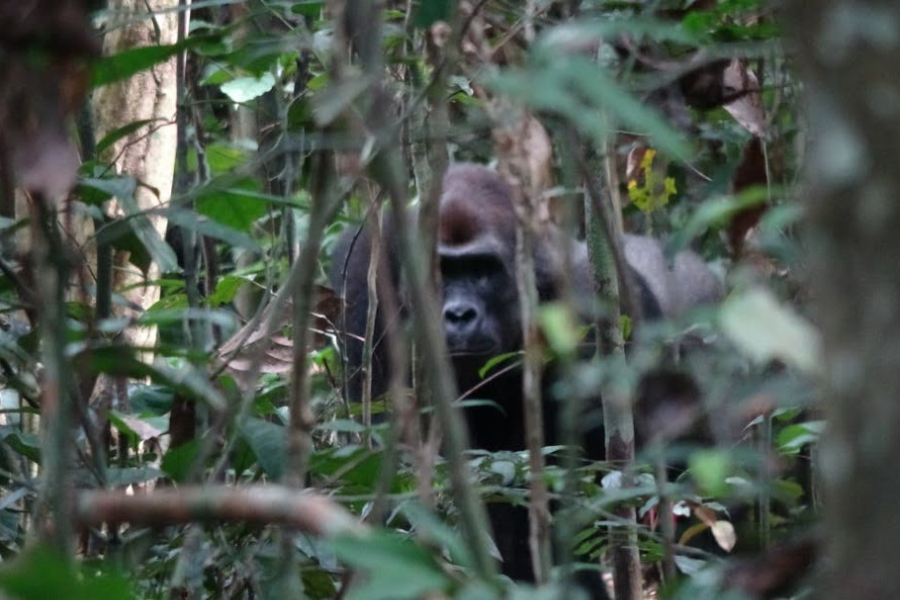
[
  {"x": 715, "y": 213},
  {"x": 237, "y": 207},
  {"x": 581, "y": 34},
  {"x": 117, "y": 134},
  {"x": 222, "y": 158},
  {"x": 562, "y": 332},
  {"x": 123, "y": 428},
  {"x": 765, "y": 330},
  {"x": 396, "y": 569},
  {"x": 267, "y": 440},
  {"x": 792, "y": 438},
  {"x": 431, "y": 11},
  {"x": 311, "y": 9},
  {"x": 123, "y": 65},
  {"x": 26, "y": 444},
  {"x": 432, "y": 528},
  {"x": 497, "y": 360},
  {"x": 245, "y": 89},
  {"x": 710, "y": 468},
  {"x": 41, "y": 573},
  {"x": 177, "y": 462},
  {"x": 216, "y": 75},
  {"x": 151, "y": 400},
  {"x": 186, "y": 378},
  {"x": 116, "y": 477},
  {"x": 121, "y": 236},
  {"x": 242, "y": 457},
  {"x": 581, "y": 91},
  {"x": 213, "y": 229},
  {"x": 226, "y": 290},
  {"x": 123, "y": 189}
]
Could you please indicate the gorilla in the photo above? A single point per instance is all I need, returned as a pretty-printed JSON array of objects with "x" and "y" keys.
[{"x": 476, "y": 248}]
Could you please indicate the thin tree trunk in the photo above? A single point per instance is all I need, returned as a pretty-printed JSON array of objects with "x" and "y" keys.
[
  {"x": 848, "y": 51},
  {"x": 149, "y": 153},
  {"x": 618, "y": 417}
]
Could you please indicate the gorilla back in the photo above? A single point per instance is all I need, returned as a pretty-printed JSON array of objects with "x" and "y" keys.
[{"x": 476, "y": 247}]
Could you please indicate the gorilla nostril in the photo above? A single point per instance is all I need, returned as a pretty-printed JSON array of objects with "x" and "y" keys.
[{"x": 461, "y": 315}]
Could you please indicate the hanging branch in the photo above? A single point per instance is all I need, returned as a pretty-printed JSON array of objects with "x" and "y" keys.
[{"x": 261, "y": 505}]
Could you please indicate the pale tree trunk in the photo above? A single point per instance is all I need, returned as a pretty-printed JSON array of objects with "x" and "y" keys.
[
  {"x": 148, "y": 155},
  {"x": 848, "y": 50}
]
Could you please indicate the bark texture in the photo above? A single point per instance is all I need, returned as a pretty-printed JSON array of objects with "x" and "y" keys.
[
  {"x": 848, "y": 52},
  {"x": 148, "y": 154}
]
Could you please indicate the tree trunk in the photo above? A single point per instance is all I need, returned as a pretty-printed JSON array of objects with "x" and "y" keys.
[
  {"x": 148, "y": 154},
  {"x": 848, "y": 51}
]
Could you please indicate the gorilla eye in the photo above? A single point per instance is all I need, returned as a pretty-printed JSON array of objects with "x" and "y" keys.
[{"x": 477, "y": 268}]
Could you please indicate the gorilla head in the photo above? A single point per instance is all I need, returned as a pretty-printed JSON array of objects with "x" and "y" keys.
[{"x": 476, "y": 246}]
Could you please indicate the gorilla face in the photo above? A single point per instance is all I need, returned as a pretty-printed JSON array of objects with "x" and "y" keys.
[
  {"x": 480, "y": 308},
  {"x": 476, "y": 246}
]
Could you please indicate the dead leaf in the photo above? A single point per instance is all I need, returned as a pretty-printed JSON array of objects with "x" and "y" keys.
[
  {"x": 740, "y": 82},
  {"x": 725, "y": 535},
  {"x": 275, "y": 353},
  {"x": 750, "y": 172}
]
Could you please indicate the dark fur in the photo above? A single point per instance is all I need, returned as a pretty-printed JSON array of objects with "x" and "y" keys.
[{"x": 481, "y": 313}]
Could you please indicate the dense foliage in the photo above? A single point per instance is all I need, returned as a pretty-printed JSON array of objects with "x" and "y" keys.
[{"x": 687, "y": 111}]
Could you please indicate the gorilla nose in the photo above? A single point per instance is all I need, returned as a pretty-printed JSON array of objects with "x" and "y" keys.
[{"x": 461, "y": 318}]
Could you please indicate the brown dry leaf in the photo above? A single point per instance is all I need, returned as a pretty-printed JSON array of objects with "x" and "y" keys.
[
  {"x": 525, "y": 155},
  {"x": 538, "y": 151},
  {"x": 275, "y": 352},
  {"x": 725, "y": 535},
  {"x": 738, "y": 80},
  {"x": 704, "y": 513},
  {"x": 722, "y": 530},
  {"x": 635, "y": 156},
  {"x": 750, "y": 172}
]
